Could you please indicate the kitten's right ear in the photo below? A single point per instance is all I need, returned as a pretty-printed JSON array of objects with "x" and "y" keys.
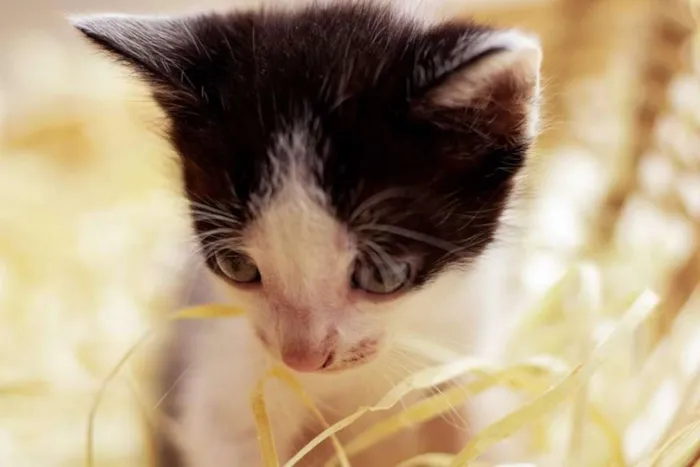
[
  {"x": 495, "y": 75},
  {"x": 155, "y": 47}
]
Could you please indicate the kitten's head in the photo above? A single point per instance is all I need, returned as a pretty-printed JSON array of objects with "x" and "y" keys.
[{"x": 341, "y": 161}]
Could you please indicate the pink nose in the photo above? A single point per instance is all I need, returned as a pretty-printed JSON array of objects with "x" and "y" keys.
[{"x": 306, "y": 360}]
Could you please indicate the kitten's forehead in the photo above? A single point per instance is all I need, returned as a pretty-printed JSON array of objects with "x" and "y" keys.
[
  {"x": 292, "y": 165},
  {"x": 295, "y": 237}
]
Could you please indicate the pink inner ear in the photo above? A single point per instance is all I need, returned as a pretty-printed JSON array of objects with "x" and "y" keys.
[
  {"x": 514, "y": 71},
  {"x": 498, "y": 96}
]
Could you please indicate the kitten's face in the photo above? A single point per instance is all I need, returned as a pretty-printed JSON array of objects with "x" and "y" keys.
[{"x": 340, "y": 161}]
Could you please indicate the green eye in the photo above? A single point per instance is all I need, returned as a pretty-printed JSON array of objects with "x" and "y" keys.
[
  {"x": 381, "y": 278},
  {"x": 237, "y": 267}
]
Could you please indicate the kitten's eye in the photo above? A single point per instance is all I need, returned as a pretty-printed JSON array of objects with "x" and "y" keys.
[
  {"x": 383, "y": 279},
  {"x": 237, "y": 267}
]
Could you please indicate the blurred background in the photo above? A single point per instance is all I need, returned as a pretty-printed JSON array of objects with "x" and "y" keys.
[{"x": 92, "y": 227}]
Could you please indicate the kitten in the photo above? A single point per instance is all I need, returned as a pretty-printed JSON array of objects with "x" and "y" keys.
[{"x": 348, "y": 169}]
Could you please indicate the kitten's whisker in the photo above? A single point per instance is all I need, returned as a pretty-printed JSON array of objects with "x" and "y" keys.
[
  {"x": 216, "y": 206},
  {"x": 398, "y": 365},
  {"x": 196, "y": 204},
  {"x": 386, "y": 259},
  {"x": 226, "y": 219},
  {"x": 172, "y": 387},
  {"x": 457, "y": 382},
  {"x": 229, "y": 232},
  {"x": 377, "y": 198},
  {"x": 377, "y": 263},
  {"x": 220, "y": 244},
  {"x": 223, "y": 220},
  {"x": 213, "y": 211},
  {"x": 411, "y": 234},
  {"x": 457, "y": 347},
  {"x": 232, "y": 190},
  {"x": 482, "y": 209},
  {"x": 208, "y": 250},
  {"x": 452, "y": 412},
  {"x": 197, "y": 242}
]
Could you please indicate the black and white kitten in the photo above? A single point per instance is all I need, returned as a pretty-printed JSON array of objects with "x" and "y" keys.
[{"x": 348, "y": 168}]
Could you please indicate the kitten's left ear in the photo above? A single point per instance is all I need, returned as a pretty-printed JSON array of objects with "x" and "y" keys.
[
  {"x": 493, "y": 76},
  {"x": 163, "y": 50}
]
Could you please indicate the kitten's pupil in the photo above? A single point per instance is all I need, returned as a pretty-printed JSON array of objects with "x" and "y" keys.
[
  {"x": 237, "y": 267},
  {"x": 381, "y": 278}
]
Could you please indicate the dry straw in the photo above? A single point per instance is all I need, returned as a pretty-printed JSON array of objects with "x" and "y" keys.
[{"x": 549, "y": 379}]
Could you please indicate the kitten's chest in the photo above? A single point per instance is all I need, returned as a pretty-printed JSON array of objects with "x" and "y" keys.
[
  {"x": 391, "y": 451},
  {"x": 341, "y": 397}
]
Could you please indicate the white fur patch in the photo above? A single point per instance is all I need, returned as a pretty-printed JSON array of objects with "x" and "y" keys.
[{"x": 302, "y": 252}]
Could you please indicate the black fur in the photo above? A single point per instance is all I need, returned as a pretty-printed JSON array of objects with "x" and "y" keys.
[{"x": 360, "y": 78}]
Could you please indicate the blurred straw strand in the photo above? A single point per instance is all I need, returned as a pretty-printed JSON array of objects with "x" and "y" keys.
[
  {"x": 670, "y": 30},
  {"x": 577, "y": 18}
]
